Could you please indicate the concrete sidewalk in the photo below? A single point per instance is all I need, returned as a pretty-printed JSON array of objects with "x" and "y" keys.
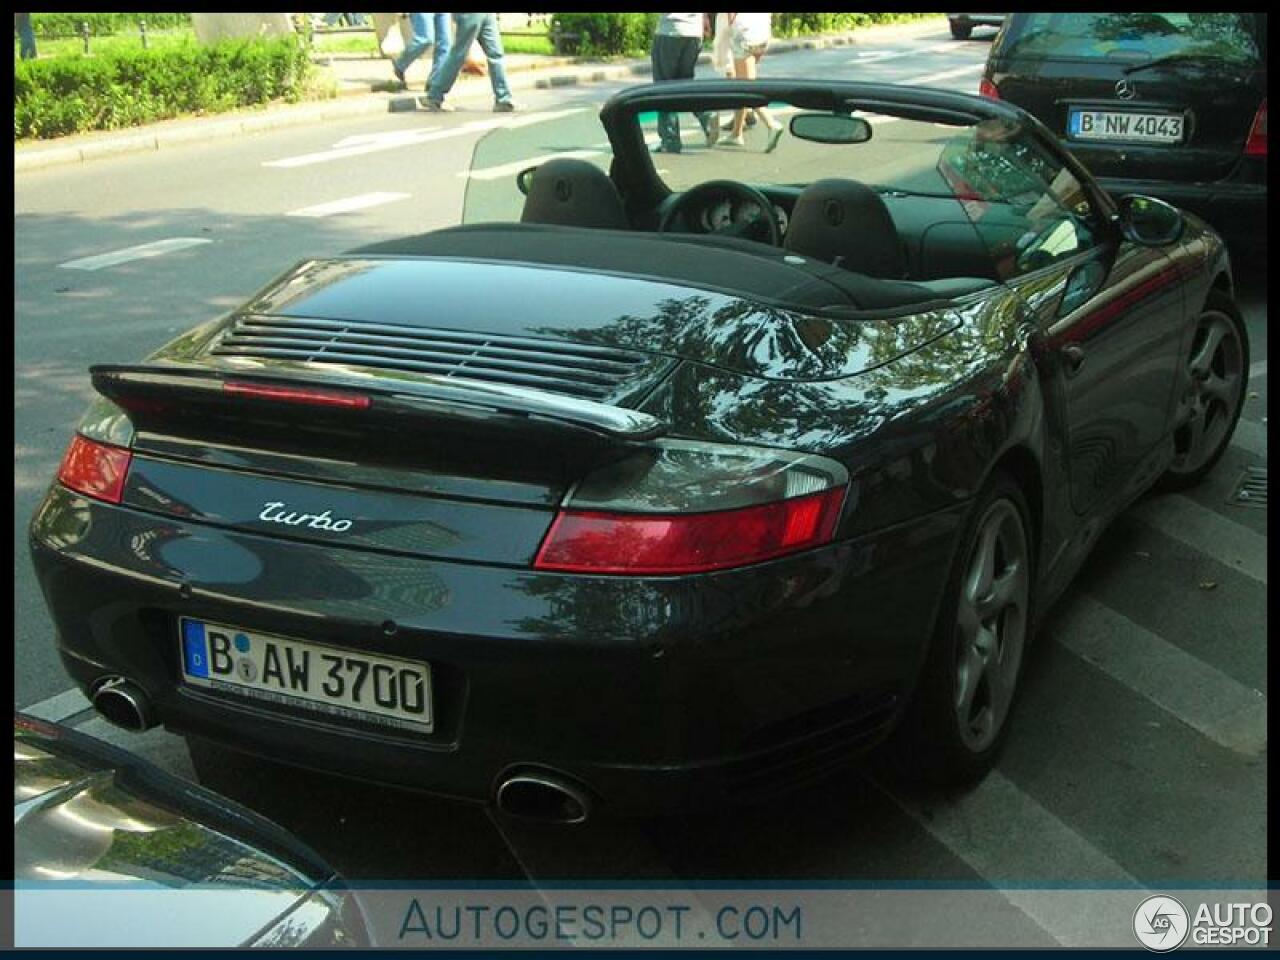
[{"x": 363, "y": 87}]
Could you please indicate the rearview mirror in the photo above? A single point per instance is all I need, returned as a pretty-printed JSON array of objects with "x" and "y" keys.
[
  {"x": 830, "y": 128},
  {"x": 524, "y": 179},
  {"x": 1148, "y": 221}
]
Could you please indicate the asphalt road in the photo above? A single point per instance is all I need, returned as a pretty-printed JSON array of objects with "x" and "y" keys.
[{"x": 1139, "y": 752}]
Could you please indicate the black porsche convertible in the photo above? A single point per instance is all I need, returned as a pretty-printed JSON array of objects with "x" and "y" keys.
[{"x": 666, "y": 478}]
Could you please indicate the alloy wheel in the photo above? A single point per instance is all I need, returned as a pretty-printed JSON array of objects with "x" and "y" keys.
[
  {"x": 1215, "y": 374},
  {"x": 991, "y": 625}
]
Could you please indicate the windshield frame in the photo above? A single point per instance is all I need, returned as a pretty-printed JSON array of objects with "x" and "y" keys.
[{"x": 636, "y": 174}]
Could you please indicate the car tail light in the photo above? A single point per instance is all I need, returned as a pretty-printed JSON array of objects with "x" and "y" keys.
[
  {"x": 684, "y": 507},
  {"x": 586, "y": 542},
  {"x": 307, "y": 395},
  {"x": 988, "y": 89},
  {"x": 1256, "y": 145},
  {"x": 96, "y": 470}
]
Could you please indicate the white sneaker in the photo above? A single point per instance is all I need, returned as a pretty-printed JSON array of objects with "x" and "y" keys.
[
  {"x": 713, "y": 130},
  {"x": 732, "y": 141}
]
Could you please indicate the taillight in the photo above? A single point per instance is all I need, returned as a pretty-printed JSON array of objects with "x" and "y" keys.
[
  {"x": 307, "y": 395},
  {"x": 688, "y": 543},
  {"x": 988, "y": 89},
  {"x": 97, "y": 470},
  {"x": 1256, "y": 145},
  {"x": 683, "y": 507}
]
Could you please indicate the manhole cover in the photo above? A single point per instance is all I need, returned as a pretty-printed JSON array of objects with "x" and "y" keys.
[{"x": 1251, "y": 489}]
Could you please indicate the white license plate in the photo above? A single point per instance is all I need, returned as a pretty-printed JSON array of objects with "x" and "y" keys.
[
  {"x": 1128, "y": 127},
  {"x": 343, "y": 683}
]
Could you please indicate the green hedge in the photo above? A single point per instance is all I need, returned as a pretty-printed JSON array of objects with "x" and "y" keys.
[
  {"x": 65, "y": 95},
  {"x": 631, "y": 34},
  {"x": 798, "y": 24},
  {"x": 605, "y": 34},
  {"x": 49, "y": 25}
]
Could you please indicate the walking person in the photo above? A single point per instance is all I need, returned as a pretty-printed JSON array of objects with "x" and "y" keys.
[
  {"x": 469, "y": 28},
  {"x": 26, "y": 36},
  {"x": 749, "y": 38},
  {"x": 676, "y": 45},
  {"x": 429, "y": 29}
]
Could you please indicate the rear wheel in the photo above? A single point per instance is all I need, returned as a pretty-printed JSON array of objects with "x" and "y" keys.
[
  {"x": 958, "y": 718},
  {"x": 961, "y": 31},
  {"x": 1214, "y": 376}
]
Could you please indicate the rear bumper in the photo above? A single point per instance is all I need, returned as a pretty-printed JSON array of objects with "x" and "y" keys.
[
  {"x": 653, "y": 693},
  {"x": 977, "y": 19}
]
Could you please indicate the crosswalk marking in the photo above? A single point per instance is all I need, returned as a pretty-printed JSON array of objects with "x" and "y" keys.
[
  {"x": 1204, "y": 698},
  {"x": 60, "y": 706},
  {"x": 1250, "y": 437},
  {"x": 393, "y": 140},
  {"x": 157, "y": 249},
  {"x": 1007, "y": 837},
  {"x": 347, "y": 205},
  {"x": 1208, "y": 532}
]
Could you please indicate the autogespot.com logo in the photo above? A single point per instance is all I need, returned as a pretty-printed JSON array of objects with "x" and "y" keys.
[{"x": 1160, "y": 923}]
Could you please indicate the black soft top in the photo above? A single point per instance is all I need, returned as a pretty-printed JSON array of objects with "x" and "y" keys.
[{"x": 736, "y": 267}]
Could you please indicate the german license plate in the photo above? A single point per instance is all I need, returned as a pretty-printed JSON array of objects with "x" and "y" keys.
[
  {"x": 343, "y": 683},
  {"x": 1124, "y": 126}
]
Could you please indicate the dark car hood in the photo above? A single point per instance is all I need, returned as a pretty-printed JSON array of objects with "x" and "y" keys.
[
  {"x": 106, "y": 856},
  {"x": 601, "y": 309}
]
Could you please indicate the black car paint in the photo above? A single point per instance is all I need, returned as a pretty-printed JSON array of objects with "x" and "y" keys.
[
  {"x": 720, "y": 680},
  {"x": 1207, "y": 174}
]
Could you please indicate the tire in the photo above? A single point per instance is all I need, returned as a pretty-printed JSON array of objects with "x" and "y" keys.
[
  {"x": 1213, "y": 378},
  {"x": 957, "y": 720},
  {"x": 961, "y": 31}
]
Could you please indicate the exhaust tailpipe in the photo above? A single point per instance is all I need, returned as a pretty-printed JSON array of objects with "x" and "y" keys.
[
  {"x": 123, "y": 704},
  {"x": 542, "y": 796}
]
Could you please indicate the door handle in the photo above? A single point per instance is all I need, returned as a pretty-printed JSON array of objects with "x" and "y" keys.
[{"x": 1073, "y": 357}]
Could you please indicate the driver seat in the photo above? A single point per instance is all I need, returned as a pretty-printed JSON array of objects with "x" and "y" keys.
[
  {"x": 574, "y": 193},
  {"x": 845, "y": 223}
]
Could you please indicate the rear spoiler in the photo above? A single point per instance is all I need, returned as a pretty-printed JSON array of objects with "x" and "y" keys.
[{"x": 141, "y": 387}]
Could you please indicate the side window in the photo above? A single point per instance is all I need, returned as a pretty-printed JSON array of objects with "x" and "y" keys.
[{"x": 1028, "y": 209}]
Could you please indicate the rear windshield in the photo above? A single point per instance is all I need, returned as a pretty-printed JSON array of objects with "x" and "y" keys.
[{"x": 1134, "y": 36}]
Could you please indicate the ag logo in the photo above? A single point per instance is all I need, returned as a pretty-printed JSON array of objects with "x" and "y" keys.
[{"x": 1161, "y": 923}]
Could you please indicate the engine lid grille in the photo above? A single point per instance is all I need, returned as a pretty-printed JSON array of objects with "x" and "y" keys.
[{"x": 579, "y": 370}]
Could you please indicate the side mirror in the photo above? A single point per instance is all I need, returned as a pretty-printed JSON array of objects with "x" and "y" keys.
[
  {"x": 1148, "y": 221},
  {"x": 830, "y": 128},
  {"x": 524, "y": 179}
]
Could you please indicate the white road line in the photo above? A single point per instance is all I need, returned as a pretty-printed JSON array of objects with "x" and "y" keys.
[
  {"x": 362, "y": 202},
  {"x": 60, "y": 706},
  {"x": 1257, "y": 369},
  {"x": 1204, "y": 698},
  {"x": 392, "y": 140},
  {"x": 140, "y": 252},
  {"x": 1250, "y": 437},
  {"x": 1207, "y": 532},
  {"x": 872, "y": 56},
  {"x": 1007, "y": 837},
  {"x": 510, "y": 169},
  {"x": 945, "y": 74}
]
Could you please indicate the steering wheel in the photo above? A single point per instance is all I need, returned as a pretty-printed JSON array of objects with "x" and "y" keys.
[{"x": 703, "y": 193}]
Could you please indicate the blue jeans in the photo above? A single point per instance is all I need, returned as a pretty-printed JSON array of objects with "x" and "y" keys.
[
  {"x": 468, "y": 28},
  {"x": 26, "y": 37},
  {"x": 428, "y": 28}
]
